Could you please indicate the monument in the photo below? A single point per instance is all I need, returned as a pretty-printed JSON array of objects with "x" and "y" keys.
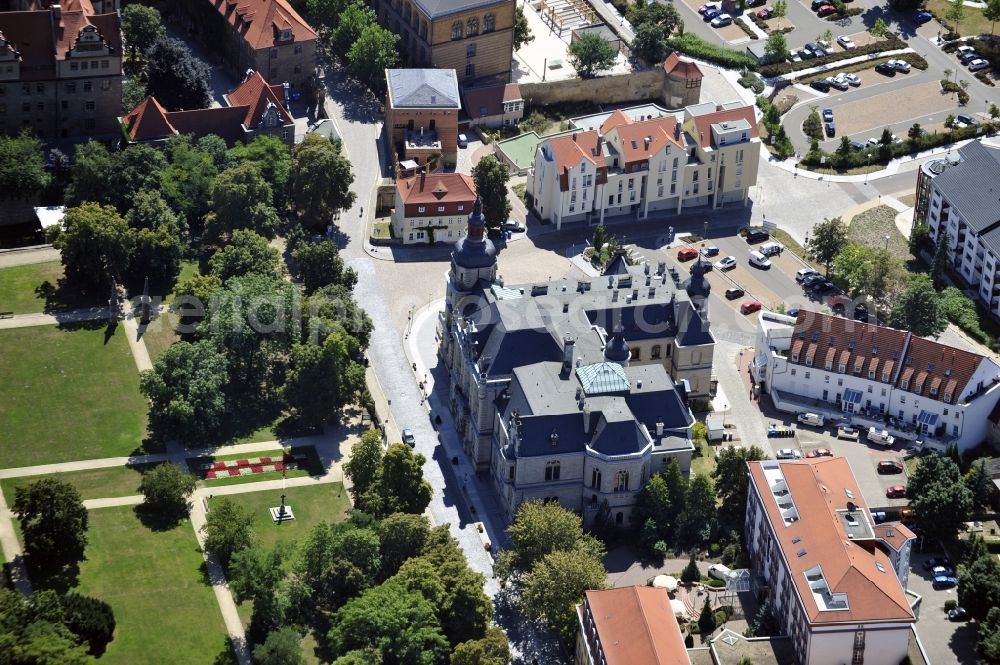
[{"x": 144, "y": 304}]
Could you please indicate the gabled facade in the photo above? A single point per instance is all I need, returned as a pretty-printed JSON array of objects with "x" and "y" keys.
[
  {"x": 876, "y": 376},
  {"x": 833, "y": 588},
  {"x": 639, "y": 165},
  {"x": 432, "y": 208},
  {"x": 60, "y": 71},
  {"x": 494, "y": 106}
]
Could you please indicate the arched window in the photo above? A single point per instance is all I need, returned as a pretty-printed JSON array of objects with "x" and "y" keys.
[
  {"x": 552, "y": 471},
  {"x": 472, "y": 27},
  {"x": 406, "y": 13},
  {"x": 456, "y": 30},
  {"x": 620, "y": 519},
  {"x": 595, "y": 479},
  {"x": 655, "y": 352},
  {"x": 621, "y": 481},
  {"x": 489, "y": 23}
]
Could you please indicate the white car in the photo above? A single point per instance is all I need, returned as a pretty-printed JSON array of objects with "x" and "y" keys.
[
  {"x": 965, "y": 49},
  {"x": 873, "y": 140},
  {"x": 881, "y": 437},
  {"x": 852, "y": 79},
  {"x": 788, "y": 453},
  {"x": 727, "y": 263},
  {"x": 721, "y": 20},
  {"x": 978, "y": 64},
  {"x": 814, "y": 419},
  {"x": 899, "y": 65},
  {"x": 758, "y": 260},
  {"x": 845, "y": 41},
  {"x": 803, "y": 273}
]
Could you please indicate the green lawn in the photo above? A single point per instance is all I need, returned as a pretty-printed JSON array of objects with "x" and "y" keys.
[
  {"x": 188, "y": 270},
  {"x": 872, "y": 226},
  {"x": 326, "y": 502},
  {"x": 92, "y": 483},
  {"x": 705, "y": 463},
  {"x": 312, "y": 467},
  {"x": 68, "y": 395},
  {"x": 18, "y": 286},
  {"x": 160, "y": 334},
  {"x": 973, "y": 22},
  {"x": 165, "y": 611}
]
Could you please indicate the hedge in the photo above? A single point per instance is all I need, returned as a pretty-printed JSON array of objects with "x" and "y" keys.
[
  {"x": 690, "y": 44},
  {"x": 853, "y": 11},
  {"x": 891, "y": 43}
]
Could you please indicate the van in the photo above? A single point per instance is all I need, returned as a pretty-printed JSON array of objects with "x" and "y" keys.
[
  {"x": 814, "y": 419},
  {"x": 719, "y": 572},
  {"x": 758, "y": 260},
  {"x": 770, "y": 248}
]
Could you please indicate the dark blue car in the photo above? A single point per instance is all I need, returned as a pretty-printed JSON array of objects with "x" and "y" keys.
[
  {"x": 922, "y": 17},
  {"x": 944, "y": 582},
  {"x": 710, "y": 14}
]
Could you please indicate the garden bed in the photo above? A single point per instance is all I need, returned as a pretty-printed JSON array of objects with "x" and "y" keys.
[{"x": 917, "y": 61}]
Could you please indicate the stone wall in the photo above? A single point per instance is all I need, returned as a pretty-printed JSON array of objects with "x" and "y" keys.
[{"x": 614, "y": 89}]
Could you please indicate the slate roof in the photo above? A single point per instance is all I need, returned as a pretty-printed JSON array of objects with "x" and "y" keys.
[
  {"x": 973, "y": 186},
  {"x": 423, "y": 88},
  {"x": 438, "y": 8}
]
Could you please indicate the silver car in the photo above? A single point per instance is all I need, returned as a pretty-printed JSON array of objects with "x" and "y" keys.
[{"x": 728, "y": 263}]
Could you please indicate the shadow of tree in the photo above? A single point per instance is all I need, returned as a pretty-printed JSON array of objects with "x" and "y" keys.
[
  {"x": 158, "y": 520},
  {"x": 59, "y": 576}
]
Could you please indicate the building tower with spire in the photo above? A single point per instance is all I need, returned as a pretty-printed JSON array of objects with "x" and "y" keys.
[{"x": 474, "y": 259}]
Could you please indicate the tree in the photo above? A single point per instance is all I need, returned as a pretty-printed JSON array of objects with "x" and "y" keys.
[
  {"x": 133, "y": 92},
  {"x": 401, "y": 536},
  {"x": 246, "y": 253},
  {"x": 274, "y": 161},
  {"x": 283, "y": 646},
  {"x": 522, "y": 31},
  {"x": 323, "y": 378},
  {"x": 661, "y": 499},
  {"x": 320, "y": 179},
  {"x": 650, "y": 43},
  {"x": 178, "y": 79},
  {"x": 166, "y": 488},
  {"x": 22, "y": 166},
  {"x": 989, "y": 636},
  {"x": 364, "y": 464},
  {"x": 492, "y": 649},
  {"x": 149, "y": 210},
  {"x": 491, "y": 176},
  {"x": 228, "y": 530},
  {"x": 979, "y": 586},
  {"x": 828, "y": 239},
  {"x": 350, "y": 24},
  {"x": 994, "y": 109},
  {"x": 137, "y": 168},
  {"x": 939, "y": 499},
  {"x": 93, "y": 167},
  {"x": 732, "y": 480},
  {"x": 319, "y": 264},
  {"x": 706, "y": 620},
  {"x": 991, "y": 12},
  {"x": 90, "y": 619},
  {"x": 241, "y": 199},
  {"x": 914, "y": 133},
  {"x": 697, "y": 522},
  {"x": 325, "y": 12},
  {"x": 398, "y": 625},
  {"x": 256, "y": 575},
  {"x": 556, "y": 585},
  {"x": 918, "y": 309},
  {"x": 184, "y": 390},
  {"x": 187, "y": 179},
  {"x": 215, "y": 147},
  {"x": 400, "y": 486},
  {"x": 33, "y": 631},
  {"x": 200, "y": 288},
  {"x": 590, "y": 55},
  {"x": 374, "y": 51},
  {"x": 776, "y": 47},
  {"x": 53, "y": 521},
  {"x": 95, "y": 244},
  {"x": 539, "y": 529},
  {"x": 942, "y": 260},
  {"x": 157, "y": 254},
  {"x": 141, "y": 27},
  {"x": 955, "y": 12},
  {"x": 879, "y": 29},
  {"x": 691, "y": 574},
  {"x": 920, "y": 238},
  {"x": 980, "y": 485}
]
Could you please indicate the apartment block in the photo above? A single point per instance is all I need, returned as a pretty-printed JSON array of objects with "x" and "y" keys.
[
  {"x": 629, "y": 626},
  {"x": 635, "y": 164}
]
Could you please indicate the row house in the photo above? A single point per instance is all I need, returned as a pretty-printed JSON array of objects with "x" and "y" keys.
[
  {"x": 876, "y": 376},
  {"x": 705, "y": 157},
  {"x": 827, "y": 570}
]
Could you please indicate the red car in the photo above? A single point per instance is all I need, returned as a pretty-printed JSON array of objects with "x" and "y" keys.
[
  {"x": 826, "y": 10},
  {"x": 687, "y": 253},
  {"x": 704, "y": 8},
  {"x": 889, "y": 467},
  {"x": 750, "y": 306},
  {"x": 896, "y": 492},
  {"x": 820, "y": 452},
  {"x": 765, "y": 14}
]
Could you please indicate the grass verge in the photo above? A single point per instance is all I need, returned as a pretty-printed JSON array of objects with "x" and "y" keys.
[
  {"x": 19, "y": 286},
  {"x": 113, "y": 481}
]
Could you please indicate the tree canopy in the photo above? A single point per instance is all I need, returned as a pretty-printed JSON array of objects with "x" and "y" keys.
[
  {"x": 375, "y": 50},
  {"x": 320, "y": 179},
  {"x": 828, "y": 239},
  {"x": 22, "y": 166},
  {"x": 351, "y": 22},
  {"x": 95, "y": 244},
  {"x": 539, "y": 529},
  {"x": 241, "y": 199},
  {"x": 939, "y": 499},
  {"x": 53, "y": 520},
  {"x": 556, "y": 585},
  {"x": 246, "y": 253},
  {"x": 918, "y": 308},
  {"x": 166, "y": 488},
  {"x": 591, "y": 54},
  {"x": 141, "y": 28},
  {"x": 228, "y": 529},
  {"x": 176, "y": 77},
  {"x": 491, "y": 176},
  {"x": 522, "y": 31}
]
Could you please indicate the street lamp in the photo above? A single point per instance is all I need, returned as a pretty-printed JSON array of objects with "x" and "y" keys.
[
  {"x": 887, "y": 243},
  {"x": 868, "y": 163}
]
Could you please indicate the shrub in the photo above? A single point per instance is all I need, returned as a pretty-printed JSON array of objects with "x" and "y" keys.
[
  {"x": 951, "y": 86},
  {"x": 661, "y": 548},
  {"x": 890, "y": 43},
  {"x": 91, "y": 619},
  {"x": 693, "y": 45},
  {"x": 714, "y": 549},
  {"x": 950, "y": 604}
]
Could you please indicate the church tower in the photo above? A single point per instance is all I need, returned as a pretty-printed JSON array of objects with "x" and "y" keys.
[{"x": 473, "y": 259}]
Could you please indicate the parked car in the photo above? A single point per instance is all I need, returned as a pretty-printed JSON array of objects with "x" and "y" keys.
[
  {"x": 771, "y": 248},
  {"x": 967, "y": 119},
  {"x": 978, "y": 64},
  {"x": 965, "y": 48},
  {"x": 885, "y": 68},
  {"x": 765, "y": 14},
  {"x": 803, "y": 273},
  {"x": 755, "y": 3},
  {"x": 816, "y": 4},
  {"x": 750, "y": 306},
  {"x": 824, "y": 287},
  {"x": 845, "y": 42},
  {"x": 896, "y": 492},
  {"x": 710, "y": 14},
  {"x": 819, "y": 452},
  {"x": 826, "y": 10},
  {"x": 827, "y": 115},
  {"x": 814, "y": 419},
  {"x": 719, "y": 572},
  {"x": 942, "y": 570},
  {"x": 967, "y": 57},
  {"x": 944, "y": 582},
  {"x": 463, "y": 141},
  {"x": 811, "y": 280},
  {"x": 758, "y": 260},
  {"x": 921, "y": 17},
  {"x": 409, "y": 439},
  {"x": 727, "y": 263},
  {"x": 788, "y": 453},
  {"x": 831, "y": 129},
  {"x": 874, "y": 140},
  {"x": 820, "y": 84},
  {"x": 813, "y": 49},
  {"x": 881, "y": 437},
  {"x": 852, "y": 79},
  {"x": 847, "y": 432},
  {"x": 838, "y": 82},
  {"x": 857, "y": 145},
  {"x": 861, "y": 312},
  {"x": 793, "y": 312},
  {"x": 757, "y": 235},
  {"x": 957, "y": 614},
  {"x": 708, "y": 5},
  {"x": 704, "y": 264},
  {"x": 889, "y": 467},
  {"x": 900, "y": 65},
  {"x": 934, "y": 562},
  {"x": 711, "y": 250},
  {"x": 734, "y": 293},
  {"x": 722, "y": 20},
  {"x": 513, "y": 225},
  {"x": 687, "y": 253}
]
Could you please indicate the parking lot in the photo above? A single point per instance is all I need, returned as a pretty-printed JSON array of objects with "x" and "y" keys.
[
  {"x": 945, "y": 641},
  {"x": 910, "y": 103}
]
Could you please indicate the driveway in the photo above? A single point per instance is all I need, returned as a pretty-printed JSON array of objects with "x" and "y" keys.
[{"x": 946, "y": 643}]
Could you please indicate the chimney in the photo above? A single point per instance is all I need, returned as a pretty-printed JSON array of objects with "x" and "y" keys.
[
  {"x": 574, "y": 137},
  {"x": 57, "y": 12},
  {"x": 568, "y": 345},
  {"x": 614, "y": 296},
  {"x": 586, "y": 417},
  {"x": 635, "y": 294},
  {"x": 638, "y": 384},
  {"x": 677, "y": 132},
  {"x": 659, "y": 427},
  {"x": 646, "y": 142}
]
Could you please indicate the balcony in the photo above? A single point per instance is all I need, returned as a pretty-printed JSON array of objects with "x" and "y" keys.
[{"x": 422, "y": 139}]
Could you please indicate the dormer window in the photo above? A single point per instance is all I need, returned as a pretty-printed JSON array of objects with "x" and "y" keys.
[
  {"x": 947, "y": 398},
  {"x": 284, "y": 35},
  {"x": 842, "y": 368},
  {"x": 795, "y": 357},
  {"x": 905, "y": 385},
  {"x": 420, "y": 209},
  {"x": 885, "y": 377}
]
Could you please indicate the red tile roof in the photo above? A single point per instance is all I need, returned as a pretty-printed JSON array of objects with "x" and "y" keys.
[
  {"x": 941, "y": 364},
  {"x": 41, "y": 43},
  {"x": 818, "y": 489},
  {"x": 639, "y": 140},
  {"x": 225, "y": 122},
  {"x": 148, "y": 121},
  {"x": 703, "y": 123},
  {"x": 636, "y": 626},
  {"x": 895, "y": 534},
  {"x": 489, "y": 100},
  {"x": 570, "y": 149},
  {"x": 616, "y": 119},
  {"x": 258, "y": 21},
  {"x": 686, "y": 68},
  {"x": 437, "y": 188},
  {"x": 256, "y": 94}
]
